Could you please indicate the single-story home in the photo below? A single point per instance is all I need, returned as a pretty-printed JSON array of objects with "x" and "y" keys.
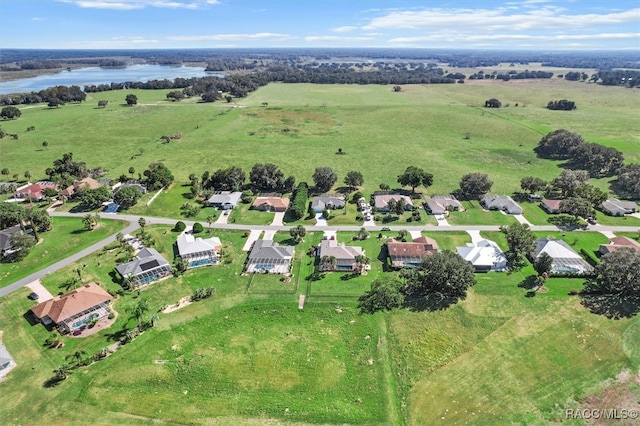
[
  {"x": 381, "y": 202},
  {"x": 5, "y": 238},
  {"x": 618, "y": 243},
  {"x": 6, "y": 361},
  {"x": 148, "y": 266},
  {"x": 500, "y": 202},
  {"x": 327, "y": 201},
  {"x": 441, "y": 204},
  {"x": 35, "y": 191},
  {"x": 73, "y": 310},
  {"x": 565, "y": 259},
  {"x": 410, "y": 255},
  {"x": 345, "y": 256},
  {"x": 615, "y": 207},
  {"x": 133, "y": 184},
  {"x": 225, "y": 200},
  {"x": 550, "y": 206},
  {"x": 86, "y": 183},
  {"x": 196, "y": 251},
  {"x": 270, "y": 204},
  {"x": 268, "y": 257},
  {"x": 484, "y": 255}
]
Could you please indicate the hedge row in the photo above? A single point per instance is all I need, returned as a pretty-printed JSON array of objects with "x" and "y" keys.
[{"x": 298, "y": 206}]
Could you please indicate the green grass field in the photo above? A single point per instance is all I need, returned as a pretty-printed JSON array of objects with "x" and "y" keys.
[
  {"x": 247, "y": 355},
  {"x": 244, "y": 358},
  {"x": 67, "y": 237},
  {"x": 427, "y": 125}
]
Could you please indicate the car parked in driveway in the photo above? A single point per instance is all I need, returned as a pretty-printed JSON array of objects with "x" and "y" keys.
[{"x": 33, "y": 296}]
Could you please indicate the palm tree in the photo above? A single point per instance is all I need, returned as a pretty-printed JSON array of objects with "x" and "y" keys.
[
  {"x": 129, "y": 335},
  {"x": 142, "y": 222},
  {"x": 210, "y": 220},
  {"x": 62, "y": 371},
  {"x": 153, "y": 319},
  {"x": 362, "y": 262},
  {"x": 78, "y": 355},
  {"x": 90, "y": 221},
  {"x": 138, "y": 310}
]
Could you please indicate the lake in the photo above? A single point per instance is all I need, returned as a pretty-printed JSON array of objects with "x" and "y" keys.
[{"x": 96, "y": 75}]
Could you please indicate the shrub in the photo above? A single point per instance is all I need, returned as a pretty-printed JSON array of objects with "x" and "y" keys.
[
  {"x": 111, "y": 315},
  {"x": 298, "y": 205},
  {"x": 180, "y": 226},
  {"x": 197, "y": 228}
]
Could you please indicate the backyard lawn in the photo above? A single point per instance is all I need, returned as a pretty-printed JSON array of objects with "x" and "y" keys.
[
  {"x": 67, "y": 237},
  {"x": 474, "y": 214}
]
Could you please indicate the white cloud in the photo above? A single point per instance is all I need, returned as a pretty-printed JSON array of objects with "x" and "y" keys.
[
  {"x": 139, "y": 4},
  {"x": 231, "y": 37},
  {"x": 121, "y": 42},
  {"x": 494, "y": 19},
  {"x": 336, "y": 38},
  {"x": 37, "y": 19},
  {"x": 345, "y": 29},
  {"x": 458, "y": 37}
]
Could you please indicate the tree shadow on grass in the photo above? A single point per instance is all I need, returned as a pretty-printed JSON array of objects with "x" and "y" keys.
[
  {"x": 611, "y": 306},
  {"x": 52, "y": 382},
  {"x": 528, "y": 283},
  {"x": 430, "y": 303}
]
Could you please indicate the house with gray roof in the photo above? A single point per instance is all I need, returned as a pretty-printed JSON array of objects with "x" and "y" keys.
[
  {"x": 345, "y": 256},
  {"x": 500, "y": 202},
  {"x": 441, "y": 204},
  {"x": 615, "y": 207},
  {"x": 565, "y": 259},
  {"x": 147, "y": 267},
  {"x": 225, "y": 200},
  {"x": 327, "y": 201},
  {"x": 268, "y": 257},
  {"x": 6, "y": 361},
  {"x": 196, "y": 251},
  {"x": 6, "y": 248}
]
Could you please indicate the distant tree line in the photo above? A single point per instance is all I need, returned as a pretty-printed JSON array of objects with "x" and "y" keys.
[{"x": 598, "y": 160}]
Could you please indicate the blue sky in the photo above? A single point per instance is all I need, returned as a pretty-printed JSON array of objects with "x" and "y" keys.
[{"x": 162, "y": 24}]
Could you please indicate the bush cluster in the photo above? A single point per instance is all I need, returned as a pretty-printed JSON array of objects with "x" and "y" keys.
[{"x": 298, "y": 205}]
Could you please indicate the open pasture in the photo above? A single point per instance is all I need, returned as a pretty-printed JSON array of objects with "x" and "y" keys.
[{"x": 380, "y": 132}]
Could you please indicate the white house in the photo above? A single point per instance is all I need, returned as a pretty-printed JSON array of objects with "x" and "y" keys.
[
  {"x": 196, "y": 251},
  {"x": 484, "y": 255}
]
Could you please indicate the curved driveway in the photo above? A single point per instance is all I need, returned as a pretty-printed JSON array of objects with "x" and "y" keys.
[{"x": 133, "y": 225}]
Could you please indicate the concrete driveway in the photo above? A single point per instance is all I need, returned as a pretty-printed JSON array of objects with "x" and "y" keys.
[
  {"x": 224, "y": 218},
  {"x": 39, "y": 289},
  {"x": 253, "y": 236},
  {"x": 277, "y": 219}
]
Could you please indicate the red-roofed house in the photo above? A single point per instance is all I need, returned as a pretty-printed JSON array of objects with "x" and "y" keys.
[
  {"x": 86, "y": 183},
  {"x": 551, "y": 206},
  {"x": 270, "y": 204},
  {"x": 35, "y": 191},
  {"x": 410, "y": 255},
  {"x": 72, "y": 311},
  {"x": 618, "y": 243}
]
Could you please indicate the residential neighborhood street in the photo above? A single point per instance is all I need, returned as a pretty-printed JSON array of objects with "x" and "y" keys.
[{"x": 256, "y": 230}]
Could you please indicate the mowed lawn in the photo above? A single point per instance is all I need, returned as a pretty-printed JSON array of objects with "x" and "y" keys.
[
  {"x": 305, "y": 125},
  {"x": 67, "y": 237},
  {"x": 240, "y": 358}
]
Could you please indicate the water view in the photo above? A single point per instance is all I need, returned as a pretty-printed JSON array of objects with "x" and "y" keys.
[{"x": 96, "y": 75}]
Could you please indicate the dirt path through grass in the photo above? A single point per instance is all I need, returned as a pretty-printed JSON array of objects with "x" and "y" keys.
[{"x": 392, "y": 403}]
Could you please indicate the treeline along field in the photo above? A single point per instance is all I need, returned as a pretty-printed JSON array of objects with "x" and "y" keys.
[{"x": 441, "y": 128}]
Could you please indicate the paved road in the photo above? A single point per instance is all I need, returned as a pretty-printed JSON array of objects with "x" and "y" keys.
[
  {"x": 133, "y": 225},
  {"x": 65, "y": 262}
]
